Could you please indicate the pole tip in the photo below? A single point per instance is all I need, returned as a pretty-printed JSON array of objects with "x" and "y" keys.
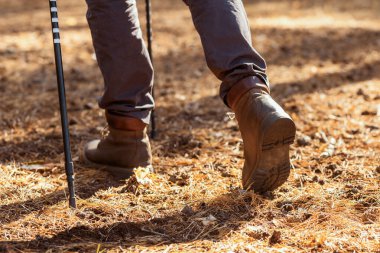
[{"x": 72, "y": 203}]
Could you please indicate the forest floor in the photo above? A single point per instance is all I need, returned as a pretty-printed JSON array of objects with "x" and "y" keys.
[{"x": 324, "y": 65}]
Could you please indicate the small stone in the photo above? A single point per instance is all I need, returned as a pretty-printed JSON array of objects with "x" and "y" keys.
[
  {"x": 89, "y": 106},
  {"x": 322, "y": 137},
  {"x": 287, "y": 207},
  {"x": 275, "y": 238},
  {"x": 304, "y": 140},
  {"x": 208, "y": 220},
  {"x": 197, "y": 73},
  {"x": 187, "y": 210},
  {"x": 81, "y": 215}
]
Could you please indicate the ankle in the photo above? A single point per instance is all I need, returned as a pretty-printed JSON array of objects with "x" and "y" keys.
[
  {"x": 124, "y": 123},
  {"x": 243, "y": 86}
]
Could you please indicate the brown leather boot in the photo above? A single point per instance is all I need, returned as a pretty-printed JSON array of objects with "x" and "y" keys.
[
  {"x": 125, "y": 147},
  {"x": 267, "y": 132}
]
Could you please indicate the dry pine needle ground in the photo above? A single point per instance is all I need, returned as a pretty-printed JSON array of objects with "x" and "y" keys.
[{"x": 324, "y": 64}]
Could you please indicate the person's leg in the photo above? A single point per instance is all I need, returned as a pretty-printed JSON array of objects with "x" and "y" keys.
[
  {"x": 226, "y": 38},
  {"x": 128, "y": 77},
  {"x": 122, "y": 57},
  {"x": 266, "y": 129}
]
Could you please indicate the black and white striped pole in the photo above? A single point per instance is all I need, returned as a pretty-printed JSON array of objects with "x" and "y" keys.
[
  {"x": 69, "y": 165},
  {"x": 150, "y": 51}
]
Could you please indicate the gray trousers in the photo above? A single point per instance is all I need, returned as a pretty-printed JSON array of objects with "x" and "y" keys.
[{"x": 124, "y": 61}]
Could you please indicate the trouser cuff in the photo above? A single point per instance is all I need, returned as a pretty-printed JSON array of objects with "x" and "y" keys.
[
  {"x": 242, "y": 87},
  {"x": 121, "y": 122}
]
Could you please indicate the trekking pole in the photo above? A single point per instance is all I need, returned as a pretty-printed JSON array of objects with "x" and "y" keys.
[
  {"x": 149, "y": 37},
  {"x": 69, "y": 165}
]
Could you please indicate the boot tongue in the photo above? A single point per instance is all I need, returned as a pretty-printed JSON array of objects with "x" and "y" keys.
[{"x": 242, "y": 87}]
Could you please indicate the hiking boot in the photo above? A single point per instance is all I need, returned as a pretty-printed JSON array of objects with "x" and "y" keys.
[
  {"x": 121, "y": 150},
  {"x": 267, "y": 132}
]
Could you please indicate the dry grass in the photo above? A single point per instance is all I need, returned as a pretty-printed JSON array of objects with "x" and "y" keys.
[{"x": 324, "y": 63}]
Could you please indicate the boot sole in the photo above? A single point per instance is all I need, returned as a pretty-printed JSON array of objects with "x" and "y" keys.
[{"x": 273, "y": 163}]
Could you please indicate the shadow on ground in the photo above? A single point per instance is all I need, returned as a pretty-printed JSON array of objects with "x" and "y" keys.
[
  {"x": 229, "y": 211},
  {"x": 86, "y": 188}
]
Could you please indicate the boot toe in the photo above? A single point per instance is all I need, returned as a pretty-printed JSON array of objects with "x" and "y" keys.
[
  {"x": 93, "y": 157},
  {"x": 90, "y": 149},
  {"x": 92, "y": 145},
  {"x": 119, "y": 153}
]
